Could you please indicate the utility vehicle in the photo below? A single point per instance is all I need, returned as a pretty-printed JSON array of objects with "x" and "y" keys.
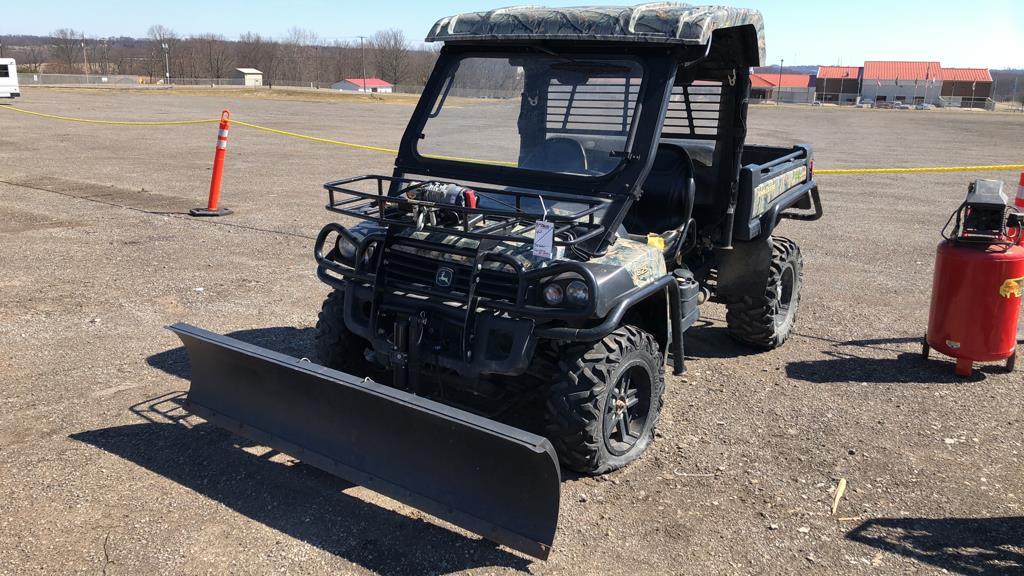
[
  {"x": 571, "y": 184},
  {"x": 9, "y": 78}
]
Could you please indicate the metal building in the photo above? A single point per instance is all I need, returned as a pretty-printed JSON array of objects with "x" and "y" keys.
[
  {"x": 787, "y": 88},
  {"x": 966, "y": 87},
  {"x": 899, "y": 81},
  {"x": 838, "y": 84}
]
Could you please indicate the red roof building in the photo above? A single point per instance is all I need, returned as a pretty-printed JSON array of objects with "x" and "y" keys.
[
  {"x": 793, "y": 88},
  {"x": 838, "y": 84},
  {"x": 966, "y": 75},
  {"x": 901, "y": 70},
  {"x": 363, "y": 84},
  {"x": 971, "y": 87},
  {"x": 839, "y": 72}
]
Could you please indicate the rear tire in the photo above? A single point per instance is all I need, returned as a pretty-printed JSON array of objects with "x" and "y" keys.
[
  {"x": 336, "y": 346},
  {"x": 765, "y": 320},
  {"x": 606, "y": 400}
]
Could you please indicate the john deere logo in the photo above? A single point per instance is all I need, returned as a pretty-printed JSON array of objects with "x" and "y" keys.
[{"x": 444, "y": 277}]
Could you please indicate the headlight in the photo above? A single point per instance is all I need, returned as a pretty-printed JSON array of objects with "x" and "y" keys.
[
  {"x": 368, "y": 255},
  {"x": 577, "y": 292},
  {"x": 346, "y": 249},
  {"x": 553, "y": 294}
]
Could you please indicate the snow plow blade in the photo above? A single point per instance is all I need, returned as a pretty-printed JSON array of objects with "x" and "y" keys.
[{"x": 481, "y": 475}]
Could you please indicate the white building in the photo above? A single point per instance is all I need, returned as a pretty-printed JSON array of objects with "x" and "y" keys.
[{"x": 250, "y": 77}]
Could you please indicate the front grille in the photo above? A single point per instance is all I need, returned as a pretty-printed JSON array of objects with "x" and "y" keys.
[{"x": 421, "y": 269}]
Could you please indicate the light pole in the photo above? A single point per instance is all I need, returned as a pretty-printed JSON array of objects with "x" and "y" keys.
[
  {"x": 778, "y": 89},
  {"x": 167, "y": 63},
  {"x": 362, "y": 62},
  {"x": 85, "y": 58}
]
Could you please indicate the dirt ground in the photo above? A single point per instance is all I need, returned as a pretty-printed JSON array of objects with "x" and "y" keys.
[{"x": 100, "y": 471}]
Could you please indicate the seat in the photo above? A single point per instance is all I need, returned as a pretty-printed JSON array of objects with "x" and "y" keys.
[
  {"x": 667, "y": 199},
  {"x": 558, "y": 155}
]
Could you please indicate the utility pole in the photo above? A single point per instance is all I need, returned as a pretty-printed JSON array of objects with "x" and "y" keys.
[
  {"x": 318, "y": 67},
  {"x": 1015, "y": 79},
  {"x": 778, "y": 89},
  {"x": 85, "y": 57},
  {"x": 167, "y": 62},
  {"x": 1, "y": 50},
  {"x": 362, "y": 61}
]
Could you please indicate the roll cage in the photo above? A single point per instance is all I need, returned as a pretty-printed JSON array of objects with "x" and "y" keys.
[{"x": 666, "y": 70}]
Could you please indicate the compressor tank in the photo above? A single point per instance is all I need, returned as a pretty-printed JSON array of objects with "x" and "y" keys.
[{"x": 976, "y": 302}]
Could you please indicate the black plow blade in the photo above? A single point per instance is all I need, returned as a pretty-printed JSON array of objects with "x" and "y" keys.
[{"x": 486, "y": 477}]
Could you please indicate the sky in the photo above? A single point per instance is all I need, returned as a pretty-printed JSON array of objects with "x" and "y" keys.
[{"x": 983, "y": 33}]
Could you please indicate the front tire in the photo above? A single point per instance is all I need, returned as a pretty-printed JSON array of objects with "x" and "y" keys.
[
  {"x": 336, "y": 346},
  {"x": 766, "y": 320},
  {"x": 605, "y": 403}
]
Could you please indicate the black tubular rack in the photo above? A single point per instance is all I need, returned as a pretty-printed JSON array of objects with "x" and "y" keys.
[{"x": 507, "y": 223}]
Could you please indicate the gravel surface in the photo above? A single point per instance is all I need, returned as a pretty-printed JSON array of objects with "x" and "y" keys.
[{"x": 101, "y": 471}]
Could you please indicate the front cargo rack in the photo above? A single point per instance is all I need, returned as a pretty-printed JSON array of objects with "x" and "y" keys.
[{"x": 386, "y": 204}]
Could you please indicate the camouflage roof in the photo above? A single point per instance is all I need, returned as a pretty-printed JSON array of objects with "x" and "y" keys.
[{"x": 662, "y": 22}]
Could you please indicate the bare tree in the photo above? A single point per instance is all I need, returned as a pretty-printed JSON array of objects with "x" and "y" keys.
[
  {"x": 217, "y": 55},
  {"x": 32, "y": 58},
  {"x": 391, "y": 55},
  {"x": 65, "y": 47}
]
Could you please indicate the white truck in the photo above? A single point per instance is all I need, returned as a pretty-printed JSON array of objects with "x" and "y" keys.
[{"x": 9, "y": 78}]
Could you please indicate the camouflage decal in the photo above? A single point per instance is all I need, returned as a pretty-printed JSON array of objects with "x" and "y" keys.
[
  {"x": 768, "y": 191},
  {"x": 665, "y": 22},
  {"x": 645, "y": 263}
]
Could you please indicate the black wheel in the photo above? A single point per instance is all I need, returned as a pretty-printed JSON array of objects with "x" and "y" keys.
[
  {"x": 605, "y": 401},
  {"x": 766, "y": 320},
  {"x": 336, "y": 346}
]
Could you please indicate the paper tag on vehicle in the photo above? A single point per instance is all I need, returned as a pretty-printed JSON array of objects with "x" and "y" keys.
[{"x": 544, "y": 239}]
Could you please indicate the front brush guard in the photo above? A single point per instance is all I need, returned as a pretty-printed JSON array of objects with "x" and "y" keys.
[{"x": 489, "y": 478}]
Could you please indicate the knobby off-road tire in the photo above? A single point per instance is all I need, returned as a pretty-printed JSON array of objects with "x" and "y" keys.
[
  {"x": 606, "y": 400},
  {"x": 766, "y": 320},
  {"x": 336, "y": 346}
]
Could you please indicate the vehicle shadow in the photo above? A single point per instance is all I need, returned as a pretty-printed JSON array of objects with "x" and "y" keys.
[
  {"x": 975, "y": 546},
  {"x": 905, "y": 368},
  {"x": 710, "y": 339},
  {"x": 298, "y": 500}
]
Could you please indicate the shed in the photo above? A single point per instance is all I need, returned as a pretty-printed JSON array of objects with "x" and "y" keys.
[
  {"x": 363, "y": 85},
  {"x": 249, "y": 76}
]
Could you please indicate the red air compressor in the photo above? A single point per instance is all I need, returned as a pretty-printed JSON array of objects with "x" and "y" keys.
[{"x": 979, "y": 278}]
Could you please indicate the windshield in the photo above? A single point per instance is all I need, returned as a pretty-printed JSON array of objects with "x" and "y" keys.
[{"x": 535, "y": 111}]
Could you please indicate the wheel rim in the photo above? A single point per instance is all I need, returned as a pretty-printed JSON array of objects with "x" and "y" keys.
[
  {"x": 627, "y": 409},
  {"x": 784, "y": 301}
]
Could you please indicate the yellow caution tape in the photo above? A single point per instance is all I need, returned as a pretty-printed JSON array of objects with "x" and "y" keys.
[
  {"x": 111, "y": 122},
  {"x": 836, "y": 171},
  {"x": 314, "y": 138},
  {"x": 994, "y": 168}
]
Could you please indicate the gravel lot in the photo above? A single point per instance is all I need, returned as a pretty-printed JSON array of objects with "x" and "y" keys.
[{"x": 100, "y": 471}]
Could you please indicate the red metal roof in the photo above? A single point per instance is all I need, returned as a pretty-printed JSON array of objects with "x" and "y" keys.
[
  {"x": 770, "y": 80},
  {"x": 370, "y": 82},
  {"x": 897, "y": 70},
  {"x": 966, "y": 75},
  {"x": 852, "y": 72}
]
